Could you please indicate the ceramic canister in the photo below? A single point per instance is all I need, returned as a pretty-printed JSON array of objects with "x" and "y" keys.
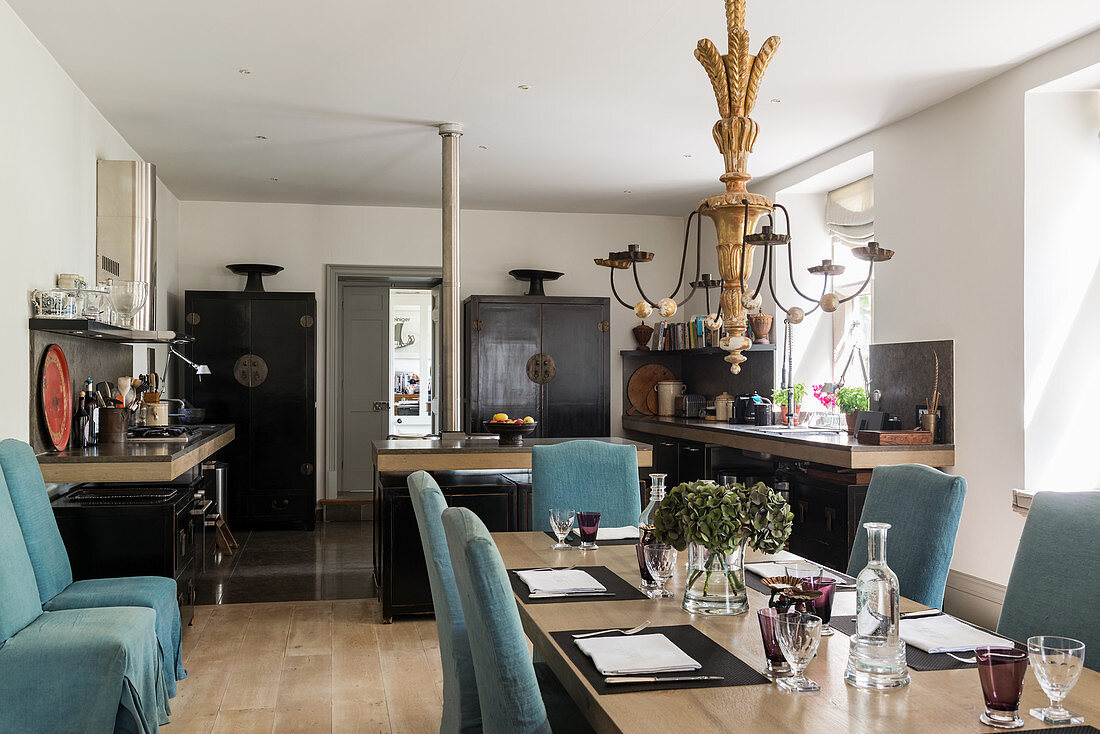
[
  {"x": 667, "y": 392},
  {"x": 723, "y": 407}
]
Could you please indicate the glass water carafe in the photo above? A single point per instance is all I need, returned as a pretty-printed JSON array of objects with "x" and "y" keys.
[
  {"x": 876, "y": 653},
  {"x": 645, "y": 527}
]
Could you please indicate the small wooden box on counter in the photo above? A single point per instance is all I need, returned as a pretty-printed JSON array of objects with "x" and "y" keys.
[{"x": 895, "y": 438}]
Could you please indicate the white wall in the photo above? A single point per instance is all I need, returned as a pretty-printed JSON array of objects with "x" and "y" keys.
[
  {"x": 50, "y": 138},
  {"x": 304, "y": 238},
  {"x": 1061, "y": 289},
  {"x": 949, "y": 196}
]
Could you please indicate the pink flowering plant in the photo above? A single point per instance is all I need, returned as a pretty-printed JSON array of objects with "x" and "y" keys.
[{"x": 827, "y": 399}]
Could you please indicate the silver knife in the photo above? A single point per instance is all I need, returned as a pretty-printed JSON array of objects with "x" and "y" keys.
[
  {"x": 654, "y": 679},
  {"x": 554, "y": 596},
  {"x": 921, "y": 613}
]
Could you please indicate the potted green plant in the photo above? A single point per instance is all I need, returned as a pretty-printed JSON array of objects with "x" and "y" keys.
[
  {"x": 715, "y": 523},
  {"x": 850, "y": 400},
  {"x": 779, "y": 397}
]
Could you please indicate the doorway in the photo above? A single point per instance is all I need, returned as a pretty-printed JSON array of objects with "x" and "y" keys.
[{"x": 380, "y": 356}]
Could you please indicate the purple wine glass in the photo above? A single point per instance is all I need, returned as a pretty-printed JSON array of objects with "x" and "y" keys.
[
  {"x": 1001, "y": 671},
  {"x": 776, "y": 664},
  {"x": 823, "y": 605},
  {"x": 588, "y": 523}
]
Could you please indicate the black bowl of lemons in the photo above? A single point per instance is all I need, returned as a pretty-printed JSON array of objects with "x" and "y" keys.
[{"x": 510, "y": 431}]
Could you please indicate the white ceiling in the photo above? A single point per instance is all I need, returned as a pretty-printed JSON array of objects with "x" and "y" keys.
[{"x": 347, "y": 91}]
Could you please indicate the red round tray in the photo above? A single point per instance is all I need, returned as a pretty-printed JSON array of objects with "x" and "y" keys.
[{"x": 57, "y": 397}]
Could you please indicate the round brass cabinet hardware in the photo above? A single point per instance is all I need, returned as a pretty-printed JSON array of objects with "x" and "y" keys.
[
  {"x": 279, "y": 505},
  {"x": 541, "y": 368},
  {"x": 250, "y": 370},
  {"x": 306, "y": 321},
  {"x": 192, "y": 318},
  {"x": 306, "y": 469}
]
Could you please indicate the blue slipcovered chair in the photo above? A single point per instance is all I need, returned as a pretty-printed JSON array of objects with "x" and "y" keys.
[
  {"x": 516, "y": 695},
  {"x": 585, "y": 475},
  {"x": 1052, "y": 589},
  {"x": 56, "y": 590},
  {"x": 81, "y": 670},
  {"x": 461, "y": 708},
  {"x": 923, "y": 506}
]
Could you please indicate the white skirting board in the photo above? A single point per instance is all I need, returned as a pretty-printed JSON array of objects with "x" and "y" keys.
[{"x": 973, "y": 599}]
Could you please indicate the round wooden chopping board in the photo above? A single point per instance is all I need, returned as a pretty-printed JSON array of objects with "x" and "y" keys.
[{"x": 639, "y": 388}]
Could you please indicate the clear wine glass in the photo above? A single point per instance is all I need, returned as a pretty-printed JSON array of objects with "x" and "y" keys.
[
  {"x": 1057, "y": 662},
  {"x": 127, "y": 297},
  {"x": 799, "y": 634},
  {"x": 660, "y": 559},
  {"x": 561, "y": 522}
]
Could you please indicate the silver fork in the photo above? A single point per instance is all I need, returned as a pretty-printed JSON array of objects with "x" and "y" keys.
[
  {"x": 961, "y": 659},
  {"x": 631, "y": 631}
]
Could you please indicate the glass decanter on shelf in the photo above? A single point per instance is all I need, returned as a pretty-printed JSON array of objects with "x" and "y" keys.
[
  {"x": 876, "y": 653},
  {"x": 645, "y": 528}
]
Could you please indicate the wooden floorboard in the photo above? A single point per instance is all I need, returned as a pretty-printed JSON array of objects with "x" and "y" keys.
[{"x": 326, "y": 666}]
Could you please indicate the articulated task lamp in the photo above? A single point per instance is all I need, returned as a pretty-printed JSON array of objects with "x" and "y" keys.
[{"x": 735, "y": 78}]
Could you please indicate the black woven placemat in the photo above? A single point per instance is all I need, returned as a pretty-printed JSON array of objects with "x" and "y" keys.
[
  {"x": 621, "y": 589},
  {"x": 1080, "y": 729},
  {"x": 715, "y": 659},
  {"x": 574, "y": 541},
  {"x": 916, "y": 658}
]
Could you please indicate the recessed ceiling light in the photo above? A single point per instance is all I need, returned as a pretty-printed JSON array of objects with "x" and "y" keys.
[
  {"x": 627, "y": 191},
  {"x": 483, "y": 147},
  {"x": 775, "y": 100},
  {"x": 687, "y": 155},
  {"x": 261, "y": 137},
  {"x": 273, "y": 178},
  {"x": 524, "y": 87},
  {"x": 246, "y": 72}
]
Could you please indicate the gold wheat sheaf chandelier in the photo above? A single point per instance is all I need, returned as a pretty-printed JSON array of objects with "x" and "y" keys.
[{"x": 735, "y": 78}]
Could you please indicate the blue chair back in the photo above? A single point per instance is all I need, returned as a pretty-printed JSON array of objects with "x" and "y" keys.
[
  {"x": 19, "y": 605},
  {"x": 923, "y": 506},
  {"x": 585, "y": 475},
  {"x": 1052, "y": 589},
  {"x": 32, "y": 507},
  {"x": 461, "y": 708},
  {"x": 507, "y": 687}
]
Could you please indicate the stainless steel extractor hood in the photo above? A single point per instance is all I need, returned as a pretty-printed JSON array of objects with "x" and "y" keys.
[{"x": 126, "y": 228}]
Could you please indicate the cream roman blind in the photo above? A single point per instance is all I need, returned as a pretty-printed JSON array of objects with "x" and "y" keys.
[{"x": 850, "y": 213}]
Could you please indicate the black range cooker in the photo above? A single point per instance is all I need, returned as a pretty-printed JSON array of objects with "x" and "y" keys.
[{"x": 115, "y": 530}]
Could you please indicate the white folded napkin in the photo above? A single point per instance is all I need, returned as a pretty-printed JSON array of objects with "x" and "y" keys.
[
  {"x": 765, "y": 570},
  {"x": 782, "y": 556},
  {"x": 572, "y": 581},
  {"x": 619, "y": 655},
  {"x": 623, "y": 533},
  {"x": 944, "y": 633},
  {"x": 844, "y": 604}
]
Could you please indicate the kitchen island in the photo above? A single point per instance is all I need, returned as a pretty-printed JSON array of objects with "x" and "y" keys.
[
  {"x": 135, "y": 460},
  {"x": 476, "y": 473}
]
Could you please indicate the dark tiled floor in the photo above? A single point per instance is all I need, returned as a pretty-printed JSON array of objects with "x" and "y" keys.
[{"x": 332, "y": 562}]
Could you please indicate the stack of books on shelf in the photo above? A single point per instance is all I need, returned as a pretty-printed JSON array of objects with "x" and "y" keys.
[{"x": 692, "y": 334}]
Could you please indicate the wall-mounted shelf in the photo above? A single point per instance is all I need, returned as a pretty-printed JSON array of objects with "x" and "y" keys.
[
  {"x": 701, "y": 351},
  {"x": 90, "y": 329}
]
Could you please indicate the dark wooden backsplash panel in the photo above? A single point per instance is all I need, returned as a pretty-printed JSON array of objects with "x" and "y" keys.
[
  {"x": 904, "y": 372},
  {"x": 86, "y": 357},
  {"x": 710, "y": 375}
]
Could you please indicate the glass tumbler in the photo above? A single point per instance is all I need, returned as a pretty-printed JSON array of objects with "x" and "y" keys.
[
  {"x": 823, "y": 605},
  {"x": 1001, "y": 671},
  {"x": 1057, "y": 662},
  {"x": 660, "y": 559},
  {"x": 776, "y": 664},
  {"x": 588, "y": 524},
  {"x": 561, "y": 522}
]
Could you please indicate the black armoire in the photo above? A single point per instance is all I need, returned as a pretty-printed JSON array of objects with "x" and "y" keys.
[
  {"x": 261, "y": 350},
  {"x": 544, "y": 356}
]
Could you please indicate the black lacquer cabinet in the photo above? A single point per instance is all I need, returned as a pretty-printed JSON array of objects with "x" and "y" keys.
[
  {"x": 261, "y": 350},
  {"x": 542, "y": 356}
]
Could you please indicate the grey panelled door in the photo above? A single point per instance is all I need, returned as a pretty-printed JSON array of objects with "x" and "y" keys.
[{"x": 365, "y": 393}]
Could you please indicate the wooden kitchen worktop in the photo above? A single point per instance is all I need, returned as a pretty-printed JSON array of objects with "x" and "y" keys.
[
  {"x": 840, "y": 449},
  {"x": 134, "y": 461},
  {"x": 474, "y": 453}
]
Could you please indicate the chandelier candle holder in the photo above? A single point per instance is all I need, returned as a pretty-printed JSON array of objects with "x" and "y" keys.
[{"x": 735, "y": 78}]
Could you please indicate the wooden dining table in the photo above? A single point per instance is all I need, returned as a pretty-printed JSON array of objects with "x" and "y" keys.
[{"x": 934, "y": 702}]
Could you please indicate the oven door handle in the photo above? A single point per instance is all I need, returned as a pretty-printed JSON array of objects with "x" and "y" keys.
[{"x": 202, "y": 510}]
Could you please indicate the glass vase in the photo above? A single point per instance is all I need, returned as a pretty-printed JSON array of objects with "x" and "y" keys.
[
  {"x": 876, "y": 653},
  {"x": 716, "y": 581}
]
